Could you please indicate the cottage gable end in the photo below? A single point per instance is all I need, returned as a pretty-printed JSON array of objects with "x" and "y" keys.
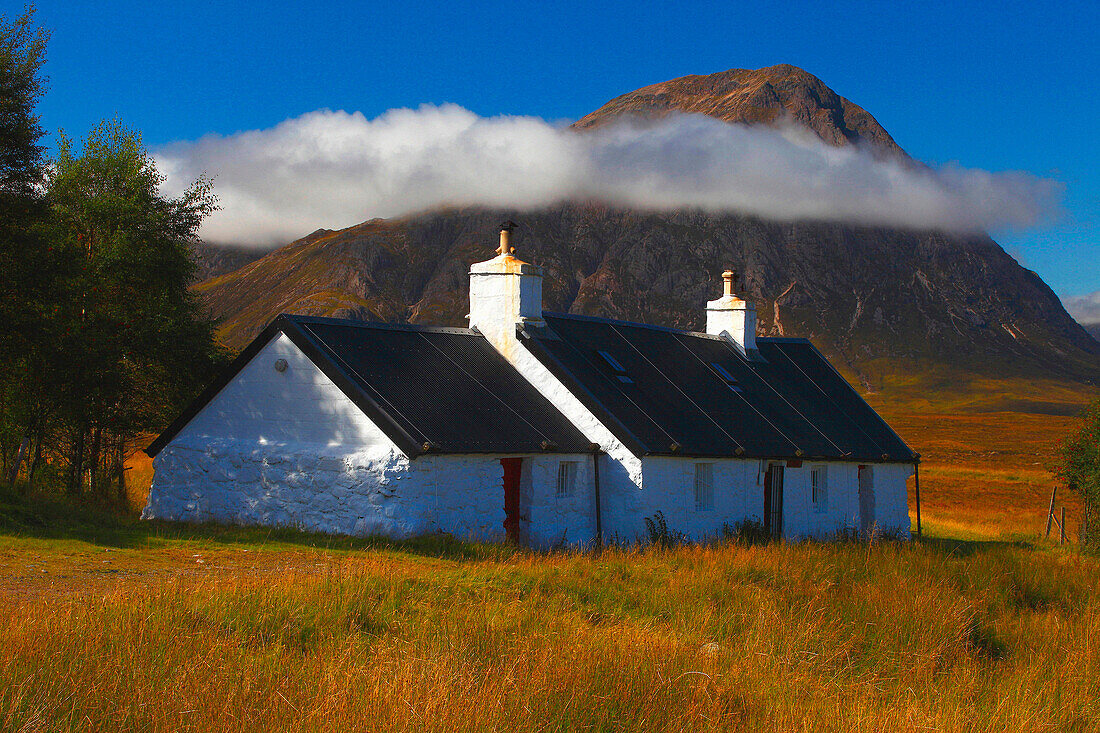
[{"x": 280, "y": 397}]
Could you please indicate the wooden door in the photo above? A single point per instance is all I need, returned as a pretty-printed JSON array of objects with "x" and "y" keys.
[
  {"x": 511, "y": 468},
  {"x": 773, "y": 500},
  {"x": 866, "y": 500}
]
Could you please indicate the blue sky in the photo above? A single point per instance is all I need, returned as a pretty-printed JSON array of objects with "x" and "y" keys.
[{"x": 997, "y": 86}]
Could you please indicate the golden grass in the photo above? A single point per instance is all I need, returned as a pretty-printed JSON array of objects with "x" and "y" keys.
[
  {"x": 160, "y": 628},
  {"x": 987, "y": 476},
  {"x": 788, "y": 637}
]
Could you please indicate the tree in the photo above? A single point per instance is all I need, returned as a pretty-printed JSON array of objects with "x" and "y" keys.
[
  {"x": 27, "y": 268},
  {"x": 1079, "y": 468},
  {"x": 135, "y": 341},
  {"x": 22, "y": 54}
]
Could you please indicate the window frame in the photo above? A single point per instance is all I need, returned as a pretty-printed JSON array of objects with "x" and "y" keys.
[
  {"x": 819, "y": 488},
  {"x": 566, "y": 487},
  {"x": 704, "y": 486}
]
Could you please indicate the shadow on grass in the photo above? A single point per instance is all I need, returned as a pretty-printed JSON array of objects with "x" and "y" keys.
[
  {"x": 53, "y": 516},
  {"x": 952, "y": 546},
  {"x": 49, "y": 516}
]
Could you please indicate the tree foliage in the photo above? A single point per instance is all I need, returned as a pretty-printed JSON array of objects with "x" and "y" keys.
[
  {"x": 129, "y": 320},
  {"x": 26, "y": 261},
  {"x": 1079, "y": 468},
  {"x": 100, "y": 338},
  {"x": 22, "y": 54}
]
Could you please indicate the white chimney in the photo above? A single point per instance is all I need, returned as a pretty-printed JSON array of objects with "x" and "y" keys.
[
  {"x": 504, "y": 291},
  {"x": 732, "y": 318}
]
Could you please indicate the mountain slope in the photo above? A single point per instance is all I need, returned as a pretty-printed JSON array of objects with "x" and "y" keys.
[
  {"x": 891, "y": 307},
  {"x": 217, "y": 259},
  {"x": 766, "y": 96}
]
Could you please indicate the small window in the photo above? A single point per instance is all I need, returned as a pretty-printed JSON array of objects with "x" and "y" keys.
[
  {"x": 620, "y": 372},
  {"x": 723, "y": 373},
  {"x": 567, "y": 479},
  {"x": 729, "y": 379},
  {"x": 611, "y": 361},
  {"x": 819, "y": 490},
  {"x": 704, "y": 487}
]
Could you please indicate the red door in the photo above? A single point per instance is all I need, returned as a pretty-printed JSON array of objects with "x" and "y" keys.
[{"x": 511, "y": 468}]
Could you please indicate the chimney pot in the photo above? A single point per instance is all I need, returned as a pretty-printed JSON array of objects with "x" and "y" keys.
[
  {"x": 506, "y": 247},
  {"x": 727, "y": 278}
]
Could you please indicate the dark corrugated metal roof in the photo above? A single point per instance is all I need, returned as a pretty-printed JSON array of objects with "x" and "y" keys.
[
  {"x": 669, "y": 392},
  {"x": 434, "y": 390}
]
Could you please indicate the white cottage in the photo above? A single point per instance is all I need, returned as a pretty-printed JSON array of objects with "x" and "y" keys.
[{"x": 541, "y": 428}]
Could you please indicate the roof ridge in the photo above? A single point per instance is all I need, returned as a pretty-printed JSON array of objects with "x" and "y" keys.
[
  {"x": 381, "y": 325},
  {"x": 635, "y": 324},
  {"x": 668, "y": 329}
]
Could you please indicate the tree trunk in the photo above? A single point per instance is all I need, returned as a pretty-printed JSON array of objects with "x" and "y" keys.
[
  {"x": 120, "y": 468},
  {"x": 37, "y": 455},
  {"x": 76, "y": 463},
  {"x": 95, "y": 481},
  {"x": 19, "y": 456}
]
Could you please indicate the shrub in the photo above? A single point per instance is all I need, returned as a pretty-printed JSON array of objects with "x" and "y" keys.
[
  {"x": 1079, "y": 469},
  {"x": 660, "y": 534},
  {"x": 747, "y": 532}
]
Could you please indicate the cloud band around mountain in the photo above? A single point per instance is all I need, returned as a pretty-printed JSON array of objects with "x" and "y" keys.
[
  {"x": 335, "y": 169},
  {"x": 1084, "y": 308}
]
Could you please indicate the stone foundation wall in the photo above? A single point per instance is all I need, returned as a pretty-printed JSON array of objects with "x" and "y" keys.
[
  {"x": 356, "y": 493},
  {"x": 371, "y": 492}
]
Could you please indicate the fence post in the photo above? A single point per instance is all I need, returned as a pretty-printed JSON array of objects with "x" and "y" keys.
[
  {"x": 1050, "y": 512},
  {"x": 1063, "y": 527}
]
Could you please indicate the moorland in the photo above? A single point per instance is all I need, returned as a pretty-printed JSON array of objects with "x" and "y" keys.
[{"x": 111, "y": 623}]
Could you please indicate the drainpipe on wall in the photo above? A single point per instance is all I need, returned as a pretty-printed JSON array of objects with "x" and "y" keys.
[
  {"x": 596, "y": 489},
  {"x": 916, "y": 481}
]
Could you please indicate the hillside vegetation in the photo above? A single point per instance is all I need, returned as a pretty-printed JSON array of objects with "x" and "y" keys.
[
  {"x": 942, "y": 635},
  {"x": 114, "y": 624}
]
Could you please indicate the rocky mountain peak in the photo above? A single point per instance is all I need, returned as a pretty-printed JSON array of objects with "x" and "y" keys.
[{"x": 767, "y": 96}]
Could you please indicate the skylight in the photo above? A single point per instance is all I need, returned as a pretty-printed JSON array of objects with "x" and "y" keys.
[
  {"x": 728, "y": 378},
  {"x": 611, "y": 361},
  {"x": 616, "y": 366}
]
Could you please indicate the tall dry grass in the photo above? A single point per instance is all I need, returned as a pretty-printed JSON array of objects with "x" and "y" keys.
[{"x": 945, "y": 636}]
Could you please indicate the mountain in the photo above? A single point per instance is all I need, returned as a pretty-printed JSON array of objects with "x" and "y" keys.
[
  {"x": 895, "y": 309},
  {"x": 766, "y": 96},
  {"x": 212, "y": 260},
  {"x": 1093, "y": 329}
]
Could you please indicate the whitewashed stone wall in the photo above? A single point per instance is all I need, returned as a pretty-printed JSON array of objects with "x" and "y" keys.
[
  {"x": 892, "y": 497},
  {"x": 620, "y": 470},
  {"x": 358, "y": 493},
  {"x": 668, "y": 485},
  {"x": 290, "y": 449},
  {"x": 554, "y": 521},
  {"x": 365, "y": 492}
]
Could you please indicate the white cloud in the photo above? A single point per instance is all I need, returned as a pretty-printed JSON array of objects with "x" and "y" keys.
[
  {"x": 335, "y": 169},
  {"x": 1084, "y": 308}
]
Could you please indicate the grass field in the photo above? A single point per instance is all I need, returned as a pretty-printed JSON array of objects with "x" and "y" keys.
[{"x": 113, "y": 624}]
